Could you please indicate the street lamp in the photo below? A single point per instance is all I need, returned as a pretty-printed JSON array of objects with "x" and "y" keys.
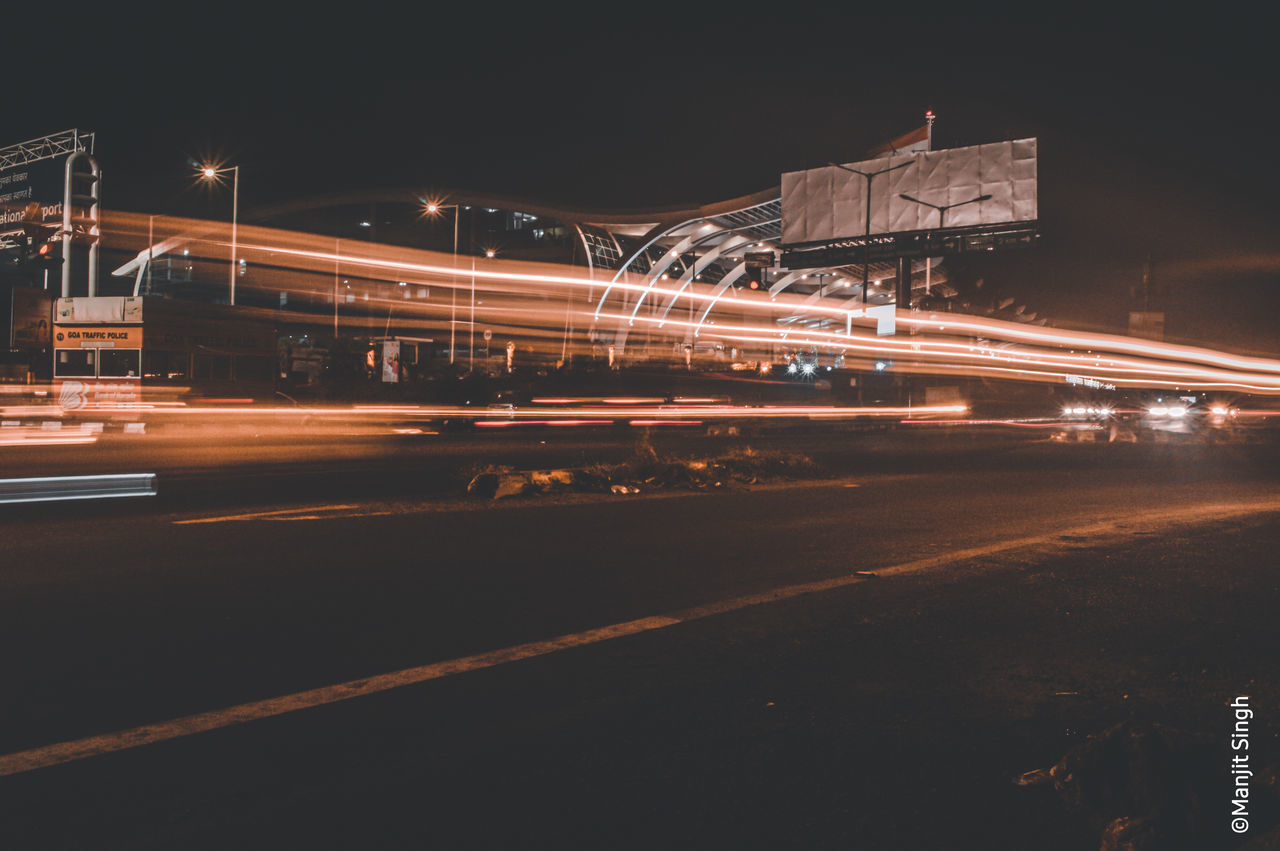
[
  {"x": 866, "y": 239},
  {"x": 212, "y": 173},
  {"x": 433, "y": 209}
]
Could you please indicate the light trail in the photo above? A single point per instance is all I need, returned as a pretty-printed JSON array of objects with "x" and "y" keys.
[
  {"x": 549, "y": 309},
  {"x": 28, "y": 436},
  {"x": 1143, "y": 373},
  {"x": 59, "y": 488},
  {"x": 307, "y": 420},
  {"x": 577, "y": 414}
]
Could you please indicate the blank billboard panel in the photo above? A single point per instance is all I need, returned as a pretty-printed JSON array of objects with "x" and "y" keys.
[{"x": 958, "y": 187}]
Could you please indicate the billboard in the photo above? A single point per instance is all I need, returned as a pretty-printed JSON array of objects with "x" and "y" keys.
[
  {"x": 30, "y": 313},
  {"x": 118, "y": 308},
  {"x": 390, "y": 360},
  {"x": 957, "y": 187},
  {"x": 42, "y": 181},
  {"x": 1146, "y": 323}
]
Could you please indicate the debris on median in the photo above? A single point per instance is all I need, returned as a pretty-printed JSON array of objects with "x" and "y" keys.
[
  {"x": 646, "y": 471},
  {"x": 499, "y": 482}
]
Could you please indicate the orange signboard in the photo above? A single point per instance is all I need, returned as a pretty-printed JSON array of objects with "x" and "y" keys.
[{"x": 97, "y": 336}]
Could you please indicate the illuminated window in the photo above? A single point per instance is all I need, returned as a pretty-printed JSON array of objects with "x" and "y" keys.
[{"x": 520, "y": 221}]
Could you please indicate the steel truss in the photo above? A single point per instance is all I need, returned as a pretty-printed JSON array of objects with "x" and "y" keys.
[{"x": 55, "y": 145}]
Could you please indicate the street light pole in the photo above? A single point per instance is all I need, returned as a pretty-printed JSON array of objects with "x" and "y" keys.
[
  {"x": 433, "y": 209},
  {"x": 210, "y": 172},
  {"x": 453, "y": 287},
  {"x": 471, "y": 363},
  {"x": 471, "y": 326},
  {"x": 235, "y": 212}
]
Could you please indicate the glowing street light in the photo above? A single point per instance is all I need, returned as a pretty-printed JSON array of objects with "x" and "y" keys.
[
  {"x": 212, "y": 173},
  {"x": 434, "y": 208}
]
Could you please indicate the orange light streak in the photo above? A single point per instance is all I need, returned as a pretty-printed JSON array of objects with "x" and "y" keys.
[
  {"x": 664, "y": 422},
  {"x": 512, "y": 295}
]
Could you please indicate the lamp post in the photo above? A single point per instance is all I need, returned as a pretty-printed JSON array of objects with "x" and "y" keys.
[
  {"x": 209, "y": 172},
  {"x": 471, "y": 362},
  {"x": 866, "y": 238},
  {"x": 433, "y": 208}
]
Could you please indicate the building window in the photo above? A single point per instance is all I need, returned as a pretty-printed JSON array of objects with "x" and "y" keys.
[
  {"x": 254, "y": 367},
  {"x": 520, "y": 221},
  {"x": 207, "y": 366},
  {"x": 164, "y": 365},
  {"x": 119, "y": 363},
  {"x": 75, "y": 363},
  {"x": 603, "y": 249}
]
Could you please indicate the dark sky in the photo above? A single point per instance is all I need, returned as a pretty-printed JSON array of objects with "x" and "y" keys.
[{"x": 1155, "y": 131}]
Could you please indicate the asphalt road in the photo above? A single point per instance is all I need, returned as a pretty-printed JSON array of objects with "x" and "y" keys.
[
  {"x": 263, "y": 463},
  {"x": 1025, "y": 598}
]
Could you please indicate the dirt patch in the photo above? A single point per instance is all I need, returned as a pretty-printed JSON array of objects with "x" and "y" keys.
[{"x": 646, "y": 470}]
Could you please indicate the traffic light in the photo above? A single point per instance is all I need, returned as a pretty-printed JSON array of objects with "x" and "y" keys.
[
  {"x": 30, "y": 257},
  {"x": 42, "y": 257}
]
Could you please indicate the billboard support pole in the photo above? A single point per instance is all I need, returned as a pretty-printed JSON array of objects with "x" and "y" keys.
[
  {"x": 904, "y": 282},
  {"x": 866, "y": 248}
]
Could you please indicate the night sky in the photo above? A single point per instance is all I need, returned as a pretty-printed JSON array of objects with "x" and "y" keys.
[{"x": 1155, "y": 131}]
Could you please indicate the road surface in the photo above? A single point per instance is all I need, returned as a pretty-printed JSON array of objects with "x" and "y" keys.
[{"x": 865, "y": 661}]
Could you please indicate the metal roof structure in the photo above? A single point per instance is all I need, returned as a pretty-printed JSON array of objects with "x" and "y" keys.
[{"x": 671, "y": 253}]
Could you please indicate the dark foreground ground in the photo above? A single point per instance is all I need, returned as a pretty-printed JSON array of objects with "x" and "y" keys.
[{"x": 894, "y": 712}]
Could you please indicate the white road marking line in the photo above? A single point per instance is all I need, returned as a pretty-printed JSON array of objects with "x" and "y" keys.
[
  {"x": 77, "y": 749},
  {"x": 226, "y": 518},
  {"x": 177, "y": 728}
]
